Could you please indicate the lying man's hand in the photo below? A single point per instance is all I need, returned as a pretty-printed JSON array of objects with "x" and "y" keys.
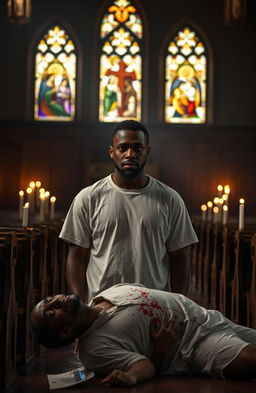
[
  {"x": 120, "y": 378},
  {"x": 164, "y": 338},
  {"x": 167, "y": 335}
]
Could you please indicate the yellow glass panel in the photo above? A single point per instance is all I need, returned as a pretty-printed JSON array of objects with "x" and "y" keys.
[
  {"x": 186, "y": 71},
  {"x": 55, "y": 77}
]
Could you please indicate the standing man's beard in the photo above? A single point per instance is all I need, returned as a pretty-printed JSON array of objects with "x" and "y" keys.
[{"x": 130, "y": 173}]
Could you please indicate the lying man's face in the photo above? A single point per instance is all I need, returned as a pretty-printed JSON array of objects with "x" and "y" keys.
[{"x": 59, "y": 313}]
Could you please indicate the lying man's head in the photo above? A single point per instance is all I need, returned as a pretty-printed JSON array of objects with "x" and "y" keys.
[{"x": 56, "y": 321}]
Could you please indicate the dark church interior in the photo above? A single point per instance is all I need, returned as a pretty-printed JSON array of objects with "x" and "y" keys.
[{"x": 192, "y": 157}]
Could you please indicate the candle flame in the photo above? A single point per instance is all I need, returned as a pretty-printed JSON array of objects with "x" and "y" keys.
[
  {"x": 241, "y": 201},
  {"x": 227, "y": 189},
  {"x": 26, "y": 204},
  {"x": 47, "y": 194},
  {"x": 221, "y": 201},
  {"x": 42, "y": 195},
  {"x": 225, "y": 208},
  {"x": 215, "y": 209},
  {"x": 38, "y": 184},
  {"x": 225, "y": 197},
  {"x": 21, "y": 193},
  {"x": 32, "y": 184},
  {"x": 42, "y": 190},
  {"x": 203, "y": 208},
  {"x": 53, "y": 199},
  {"x": 29, "y": 190},
  {"x": 220, "y": 187},
  {"x": 216, "y": 200},
  {"x": 209, "y": 204}
]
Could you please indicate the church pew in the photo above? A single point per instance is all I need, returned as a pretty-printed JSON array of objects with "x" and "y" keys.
[
  {"x": 207, "y": 258},
  {"x": 194, "y": 254},
  {"x": 8, "y": 310},
  {"x": 240, "y": 283},
  {"x": 204, "y": 227},
  {"x": 251, "y": 294},
  {"x": 226, "y": 270},
  {"x": 25, "y": 353},
  {"x": 62, "y": 261},
  {"x": 215, "y": 266}
]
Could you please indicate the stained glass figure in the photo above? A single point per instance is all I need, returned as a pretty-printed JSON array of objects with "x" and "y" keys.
[
  {"x": 55, "y": 77},
  {"x": 120, "y": 63},
  {"x": 186, "y": 72}
]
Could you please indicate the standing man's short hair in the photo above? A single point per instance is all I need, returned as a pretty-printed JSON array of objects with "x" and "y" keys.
[{"x": 131, "y": 125}]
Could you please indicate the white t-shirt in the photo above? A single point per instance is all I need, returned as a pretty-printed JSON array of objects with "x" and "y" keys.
[
  {"x": 129, "y": 232},
  {"x": 120, "y": 336}
]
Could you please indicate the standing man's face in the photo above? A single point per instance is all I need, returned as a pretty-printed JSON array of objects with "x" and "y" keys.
[{"x": 129, "y": 152}]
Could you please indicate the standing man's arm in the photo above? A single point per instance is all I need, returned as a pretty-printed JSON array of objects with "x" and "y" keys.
[
  {"x": 77, "y": 261},
  {"x": 180, "y": 270}
]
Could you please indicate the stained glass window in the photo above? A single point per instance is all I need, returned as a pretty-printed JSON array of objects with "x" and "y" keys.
[
  {"x": 185, "y": 86},
  {"x": 120, "y": 63},
  {"x": 55, "y": 77}
]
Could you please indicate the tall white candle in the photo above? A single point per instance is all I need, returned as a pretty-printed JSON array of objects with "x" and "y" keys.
[
  {"x": 52, "y": 209},
  {"x": 46, "y": 202},
  {"x": 225, "y": 215},
  {"x": 29, "y": 196},
  {"x": 221, "y": 202},
  {"x": 227, "y": 192},
  {"x": 42, "y": 210},
  {"x": 203, "y": 210},
  {"x": 215, "y": 214},
  {"x": 209, "y": 210},
  {"x": 32, "y": 185},
  {"x": 38, "y": 185},
  {"x": 25, "y": 214},
  {"x": 220, "y": 189},
  {"x": 21, "y": 203},
  {"x": 241, "y": 214}
]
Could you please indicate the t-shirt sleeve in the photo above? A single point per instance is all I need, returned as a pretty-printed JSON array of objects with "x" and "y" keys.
[
  {"x": 105, "y": 359},
  {"x": 76, "y": 227},
  {"x": 182, "y": 233}
]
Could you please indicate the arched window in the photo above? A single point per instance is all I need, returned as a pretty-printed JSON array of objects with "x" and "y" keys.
[
  {"x": 120, "y": 63},
  {"x": 186, "y": 78},
  {"x": 55, "y": 76}
]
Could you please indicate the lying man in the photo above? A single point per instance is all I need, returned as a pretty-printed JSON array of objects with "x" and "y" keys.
[{"x": 129, "y": 333}]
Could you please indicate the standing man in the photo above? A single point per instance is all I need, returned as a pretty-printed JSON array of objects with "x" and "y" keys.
[{"x": 128, "y": 227}]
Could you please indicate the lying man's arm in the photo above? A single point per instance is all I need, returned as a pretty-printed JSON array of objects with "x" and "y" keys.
[{"x": 138, "y": 372}]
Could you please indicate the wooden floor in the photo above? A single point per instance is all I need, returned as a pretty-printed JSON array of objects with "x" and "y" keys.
[{"x": 57, "y": 361}]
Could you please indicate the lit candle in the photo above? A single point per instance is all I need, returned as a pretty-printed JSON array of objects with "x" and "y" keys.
[
  {"x": 227, "y": 192},
  {"x": 241, "y": 214},
  {"x": 225, "y": 215},
  {"x": 46, "y": 202},
  {"x": 41, "y": 212},
  {"x": 221, "y": 202},
  {"x": 220, "y": 189},
  {"x": 38, "y": 185},
  {"x": 209, "y": 210},
  {"x": 21, "y": 203},
  {"x": 25, "y": 215},
  {"x": 203, "y": 209},
  {"x": 52, "y": 210},
  {"x": 29, "y": 195},
  {"x": 215, "y": 214},
  {"x": 32, "y": 185}
]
